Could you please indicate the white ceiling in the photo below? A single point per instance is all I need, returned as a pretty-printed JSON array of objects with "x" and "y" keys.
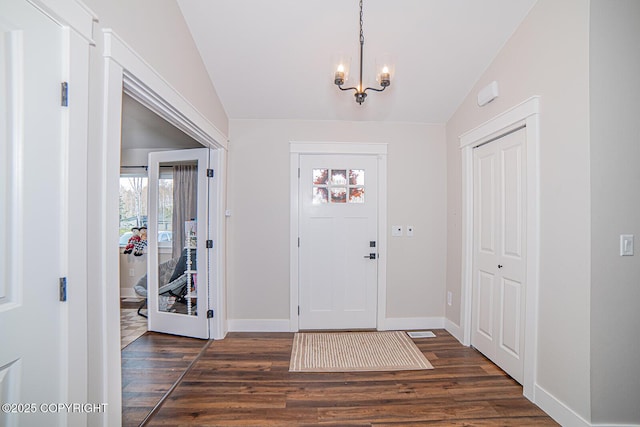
[{"x": 274, "y": 59}]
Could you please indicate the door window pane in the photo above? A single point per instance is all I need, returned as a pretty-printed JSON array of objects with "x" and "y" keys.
[
  {"x": 177, "y": 269},
  {"x": 356, "y": 195},
  {"x": 320, "y": 176},
  {"x": 342, "y": 185},
  {"x": 338, "y": 195},
  {"x": 320, "y": 195},
  {"x": 356, "y": 177},
  {"x": 338, "y": 177}
]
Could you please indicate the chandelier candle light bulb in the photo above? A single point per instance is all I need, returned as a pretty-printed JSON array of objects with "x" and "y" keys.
[
  {"x": 385, "y": 79},
  {"x": 339, "y": 77}
]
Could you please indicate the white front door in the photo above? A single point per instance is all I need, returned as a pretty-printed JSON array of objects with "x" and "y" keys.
[
  {"x": 338, "y": 248},
  {"x": 178, "y": 283},
  {"x": 32, "y": 217},
  {"x": 499, "y": 269}
]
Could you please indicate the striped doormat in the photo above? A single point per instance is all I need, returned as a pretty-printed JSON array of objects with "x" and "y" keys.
[{"x": 355, "y": 351}]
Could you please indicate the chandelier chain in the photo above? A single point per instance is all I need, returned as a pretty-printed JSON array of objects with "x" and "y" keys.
[{"x": 361, "y": 21}]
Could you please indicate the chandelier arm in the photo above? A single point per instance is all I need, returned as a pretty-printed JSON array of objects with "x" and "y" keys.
[
  {"x": 377, "y": 90},
  {"x": 348, "y": 88}
]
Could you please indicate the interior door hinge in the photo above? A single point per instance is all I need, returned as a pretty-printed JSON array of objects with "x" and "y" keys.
[
  {"x": 298, "y": 310},
  {"x": 63, "y": 289},
  {"x": 298, "y": 173},
  {"x": 298, "y": 242},
  {"x": 209, "y": 244},
  {"x": 64, "y": 94},
  {"x": 209, "y": 314},
  {"x": 210, "y": 173}
]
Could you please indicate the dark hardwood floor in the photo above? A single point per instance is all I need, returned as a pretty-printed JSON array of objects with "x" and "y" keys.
[
  {"x": 150, "y": 366},
  {"x": 244, "y": 380}
]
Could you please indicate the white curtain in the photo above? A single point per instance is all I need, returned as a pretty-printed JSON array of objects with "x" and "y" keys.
[{"x": 185, "y": 190}]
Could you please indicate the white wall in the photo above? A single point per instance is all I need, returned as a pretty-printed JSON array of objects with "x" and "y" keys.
[
  {"x": 132, "y": 268},
  {"x": 547, "y": 56},
  {"x": 157, "y": 31},
  {"x": 258, "y": 230},
  {"x": 615, "y": 210}
]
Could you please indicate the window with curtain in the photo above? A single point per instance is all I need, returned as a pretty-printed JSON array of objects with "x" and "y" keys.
[{"x": 133, "y": 204}]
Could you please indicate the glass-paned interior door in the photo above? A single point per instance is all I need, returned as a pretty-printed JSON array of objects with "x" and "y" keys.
[{"x": 178, "y": 278}]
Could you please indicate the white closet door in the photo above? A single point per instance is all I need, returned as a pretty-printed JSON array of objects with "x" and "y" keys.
[
  {"x": 499, "y": 269},
  {"x": 33, "y": 161}
]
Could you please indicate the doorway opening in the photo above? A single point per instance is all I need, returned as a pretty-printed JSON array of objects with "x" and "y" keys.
[
  {"x": 345, "y": 187},
  {"x": 143, "y": 132}
]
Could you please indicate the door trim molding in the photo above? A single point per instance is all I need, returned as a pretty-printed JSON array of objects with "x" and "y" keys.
[
  {"x": 526, "y": 113},
  {"x": 125, "y": 70},
  {"x": 146, "y": 86},
  {"x": 74, "y": 14},
  {"x": 295, "y": 150}
]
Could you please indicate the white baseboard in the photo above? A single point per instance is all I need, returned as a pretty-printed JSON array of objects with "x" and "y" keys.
[
  {"x": 283, "y": 325},
  {"x": 453, "y": 329},
  {"x": 557, "y": 410},
  {"x": 128, "y": 293},
  {"x": 258, "y": 325},
  {"x": 412, "y": 323},
  {"x": 615, "y": 425}
]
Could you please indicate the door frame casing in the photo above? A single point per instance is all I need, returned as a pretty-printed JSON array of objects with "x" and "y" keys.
[
  {"x": 125, "y": 71},
  {"x": 296, "y": 149},
  {"x": 526, "y": 113}
]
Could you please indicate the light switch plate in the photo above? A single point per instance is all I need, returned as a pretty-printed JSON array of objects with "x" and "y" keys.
[
  {"x": 409, "y": 230},
  {"x": 396, "y": 230},
  {"x": 626, "y": 244}
]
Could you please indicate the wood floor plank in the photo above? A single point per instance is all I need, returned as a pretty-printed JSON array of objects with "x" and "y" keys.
[
  {"x": 487, "y": 422},
  {"x": 150, "y": 366},
  {"x": 244, "y": 380},
  {"x": 407, "y": 412}
]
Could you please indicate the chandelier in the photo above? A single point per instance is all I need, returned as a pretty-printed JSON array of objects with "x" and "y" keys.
[{"x": 383, "y": 77}]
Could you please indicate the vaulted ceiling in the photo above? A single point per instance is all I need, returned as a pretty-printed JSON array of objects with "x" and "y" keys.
[{"x": 273, "y": 59}]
